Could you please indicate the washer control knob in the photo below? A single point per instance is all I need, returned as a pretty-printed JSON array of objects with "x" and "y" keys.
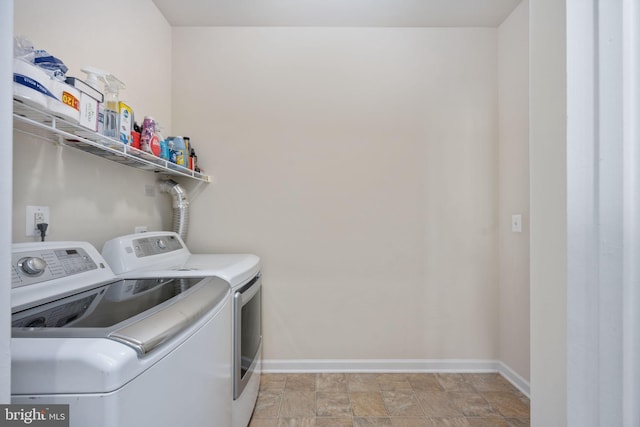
[
  {"x": 32, "y": 266},
  {"x": 161, "y": 244}
]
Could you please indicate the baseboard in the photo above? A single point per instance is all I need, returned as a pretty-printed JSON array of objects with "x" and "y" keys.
[
  {"x": 396, "y": 365},
  {"x": 514, "y": 378}
]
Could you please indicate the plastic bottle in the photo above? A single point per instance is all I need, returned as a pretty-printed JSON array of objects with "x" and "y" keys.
[
  {"x": 196, "y": 168},
  {"x": 164, "y": 149},
  {"x": 112, "y": 87},
  {"x": 93, "y": 74},
  {"x": 172, "y": 152},
  {"x": 155, "y": 143},
  {"x": 187, "y": 150},
  {"x": 135, "y": 135},
  {"x": 148, "y": 132},
  {"x": 192, "y": 159},
  {"x": 179, "y": 148}
]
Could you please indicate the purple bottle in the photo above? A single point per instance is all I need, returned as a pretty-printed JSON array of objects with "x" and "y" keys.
[{"x": 148, "y": 130}]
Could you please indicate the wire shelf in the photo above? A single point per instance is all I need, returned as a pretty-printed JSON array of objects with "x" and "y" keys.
[{"x": 36, "y": 122}]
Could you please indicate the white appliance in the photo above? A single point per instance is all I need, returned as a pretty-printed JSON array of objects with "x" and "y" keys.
[
  {"x": 159, "y": 254},
  {"x": 120, "y": 352}
]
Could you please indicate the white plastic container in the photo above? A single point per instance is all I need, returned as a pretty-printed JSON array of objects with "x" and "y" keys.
[
  {"x": 89, "y": 100},
  {"x": 67, "y": 101},
  {"x": 88, "y": 111},
  {"x": 31, "y": 84}
]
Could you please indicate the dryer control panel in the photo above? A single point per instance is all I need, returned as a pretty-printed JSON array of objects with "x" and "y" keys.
[
  {"x": 148, "y": 246},
  {"x": 40, "y": 265},
  {"x": 159, "y": 250}
]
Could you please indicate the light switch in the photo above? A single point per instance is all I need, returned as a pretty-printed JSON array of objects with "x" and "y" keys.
[{"x": 516, "y": 223}]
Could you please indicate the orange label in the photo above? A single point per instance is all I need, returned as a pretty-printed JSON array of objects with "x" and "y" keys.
[{"x": 70, "y": 100}]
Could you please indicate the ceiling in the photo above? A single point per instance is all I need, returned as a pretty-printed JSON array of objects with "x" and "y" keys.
[{"x": 337, "y": 13}]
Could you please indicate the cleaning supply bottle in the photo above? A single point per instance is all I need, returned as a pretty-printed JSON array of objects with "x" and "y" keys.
[
  {"x": 187, "y": 150},
  {"x": 148, "y": 132},
  {"x": 164, "y": 149},
  {"x": 179, "y": 148},
  {"x": 192, "y": 159},
  {"x": 93, "y": 75},
  {"x": 112, "y": 87},
  {"x": 156, "y": 141}
]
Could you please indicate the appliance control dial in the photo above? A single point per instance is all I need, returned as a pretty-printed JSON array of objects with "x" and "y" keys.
[
  {"x": 161, "y": 244},
  {"x": 32, "y": 266}
]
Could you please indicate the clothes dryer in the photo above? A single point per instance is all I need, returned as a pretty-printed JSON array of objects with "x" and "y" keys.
[{"x": 165, "y": 254}]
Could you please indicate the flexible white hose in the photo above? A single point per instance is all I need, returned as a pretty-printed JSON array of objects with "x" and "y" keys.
[{"x": 180, "y": 207}]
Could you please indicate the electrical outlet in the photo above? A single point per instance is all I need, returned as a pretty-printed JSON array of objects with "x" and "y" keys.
[
  {"x": 36, "y": 215},
  {"x": 516, "y": 223},
  {"x": 38, "y": 218}
]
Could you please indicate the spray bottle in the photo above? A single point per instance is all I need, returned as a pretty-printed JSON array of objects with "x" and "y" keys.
[
  {"x": 93, "y": 74},
  {"x": 111, "y": 114},
  {"x": 108, "y": 112}
]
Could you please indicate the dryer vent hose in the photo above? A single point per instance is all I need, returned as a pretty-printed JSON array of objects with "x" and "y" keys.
[{"x": 180, "y": 206}]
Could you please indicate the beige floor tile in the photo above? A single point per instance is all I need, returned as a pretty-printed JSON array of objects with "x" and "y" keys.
[
  {"x": 296, "y": 422},
  {"x": 298, "y": 404},
  {"x": 301, "y": 382},
  {"x": 425, "y": 382},
  {"x": 454, "y": 382},
  {"x": 449, "y": 422},
  {"x": 394, "y": 382},
  {"x": 367, "y": 404},
  {"x": 401, "y": 404},
  {"x": 518, "y": 422},
  {"x": 267, "y": 404},
  {"x": 487, "y": 422},
  {"x": 473, "y": 404},
  {"x": 507, "y": 404},
  {"x": 331, "y": 382},
  {"x": 372, "y": 422},
  {"x": 393, "y": 376},
  {"x": 274, "y": 382},
  {"x": 334, "y": 422},
  {"x": 362, "y": 382},
  {"x": 389, "y": 400},
  {"x": 410, "y": 422},
  {"x": 333, "y": 405},
  {"x": 438, "y": 404},
  {"x": 490, "y": 382}
]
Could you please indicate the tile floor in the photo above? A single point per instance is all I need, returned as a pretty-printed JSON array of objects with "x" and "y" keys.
[{"x": 394, "y": 400}]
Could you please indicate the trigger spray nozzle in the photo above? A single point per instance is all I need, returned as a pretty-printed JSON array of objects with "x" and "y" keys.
[
  {"x": 93, "y": 74},
  {"x": 112, "y": 84}
]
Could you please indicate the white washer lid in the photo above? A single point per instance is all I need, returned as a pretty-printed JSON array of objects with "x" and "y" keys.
[{"x": 236, "y": 269}]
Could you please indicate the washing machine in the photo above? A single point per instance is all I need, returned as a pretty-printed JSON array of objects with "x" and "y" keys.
[
  {"x": 158, "y": 254},
  {"x": 150, "y": 351}
]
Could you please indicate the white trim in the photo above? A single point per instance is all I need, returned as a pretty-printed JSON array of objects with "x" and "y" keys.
[
  {"x": 582, "y": 213},
  {"x": 271, "y": 366},
  {"x": 514, "y": 378},
  {"x": 631, "y": 212},
  {"x": 6, "y": 188}
]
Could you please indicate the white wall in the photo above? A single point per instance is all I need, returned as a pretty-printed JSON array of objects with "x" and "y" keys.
[
  {"x": 6, "y": 145},
  {"x": 513, "y": 163},
  {"x": 548, "y": 232},
  {"x": 90, "y": 198},
  {"x": 361, "y": 165}
]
